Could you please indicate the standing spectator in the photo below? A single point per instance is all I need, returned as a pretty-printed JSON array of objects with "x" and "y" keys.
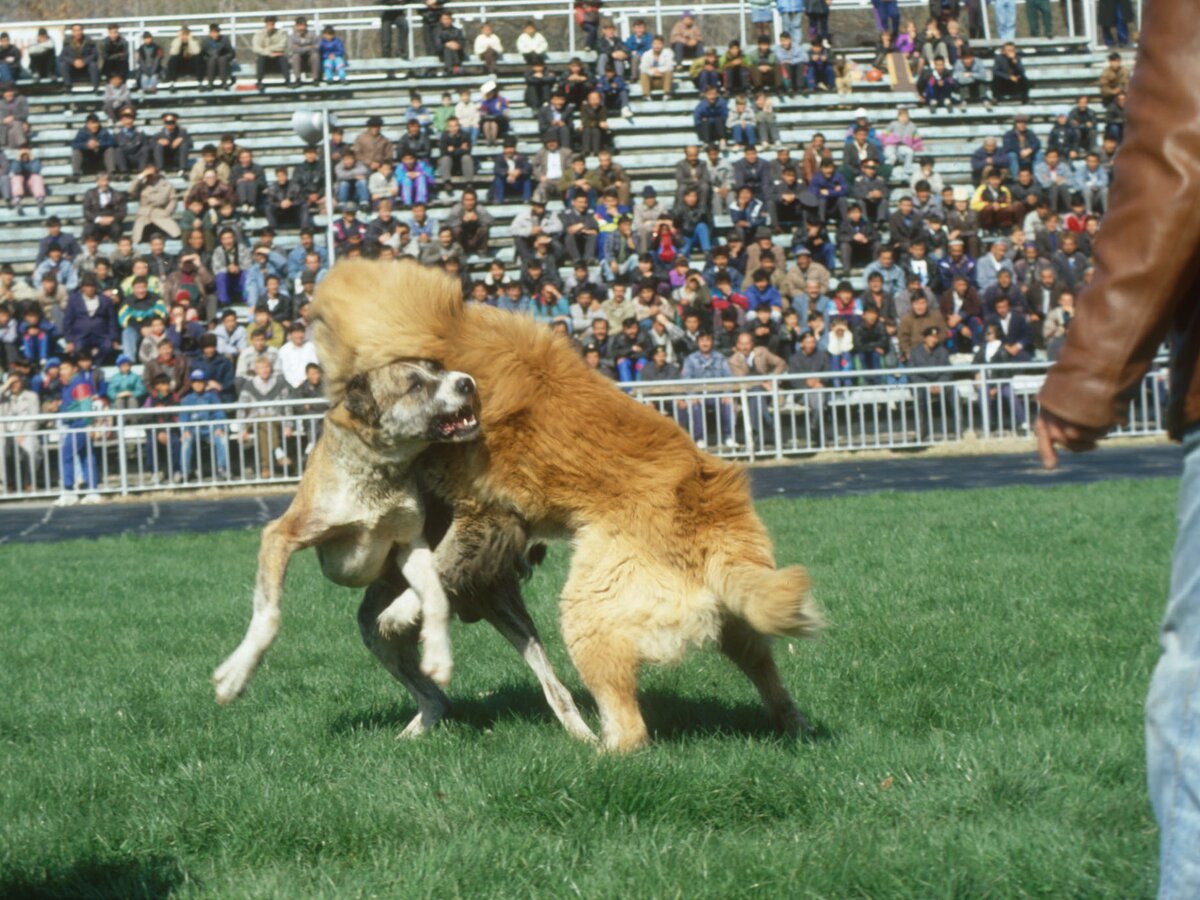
[
  {"x": 77, "y": 458},
  {"x": 304, "y": 52},
  {"x": 451, "y": 44},
  {"x": 92, "y": 149},
  {"x": 90, "y": 322},
  {"x": 270, "y": 48},
  {"x": 183, "y": 57},
  {"x": 1009, "y": 81},
  {"x": 267, "y": 434},
  {"x": 172, "y": 146},
  {"x": 333, "y": 55},
  {"x": 104, "y": 210},
  {"x": 593, "y": 125},
  {"x": 14, "y": 118},
  {"x": 218, "y": 56},
  {"x": 149, "y": 58},
  {"x": 393, "y": 18},
  {"x": 156, "y": 205},
  {"x": 488, "y": 47},
  {"x": 657, "y": 68},
  {"x": 230, "y": 265},
  {"x": 203, "y": 427},
  {"x": 701, "y": 365},
  {"x": 77, "y": 58}
]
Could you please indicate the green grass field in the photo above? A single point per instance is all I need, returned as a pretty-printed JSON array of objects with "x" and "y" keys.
[{"x": 977, "y": 700}]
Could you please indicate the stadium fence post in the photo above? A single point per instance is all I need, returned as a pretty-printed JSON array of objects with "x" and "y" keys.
[
  {"x": 330, "y": 217},
  {"x": 777, "y": 417},
  {"x": 985, "y": 413},
  {"x": 571, "y": 26},
  {"x": 122, "y": 463}
]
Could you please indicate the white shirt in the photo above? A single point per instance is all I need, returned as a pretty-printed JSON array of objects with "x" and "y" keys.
[
  {"x": 532, "y": 43},
  {"x": 656, "y": 64},
  {"x": 293, "y": 360},
  {"x": 487, "y": 42},
  {"x": 554, "y": 166}
]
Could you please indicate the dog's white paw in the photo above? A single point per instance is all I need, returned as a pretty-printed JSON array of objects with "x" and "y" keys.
[
  {"x": 401, "y": 614},
  {"x": 230, "y": 679}
]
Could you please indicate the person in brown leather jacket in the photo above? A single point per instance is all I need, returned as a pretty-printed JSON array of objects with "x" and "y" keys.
[{"x": 1146, "y": 290}]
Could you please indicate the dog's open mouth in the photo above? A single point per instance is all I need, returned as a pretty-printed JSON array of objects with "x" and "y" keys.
[{"x": 457, "y": 425}]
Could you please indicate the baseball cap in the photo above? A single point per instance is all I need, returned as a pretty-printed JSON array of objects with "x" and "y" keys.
[{"x": 198, "y": 375}]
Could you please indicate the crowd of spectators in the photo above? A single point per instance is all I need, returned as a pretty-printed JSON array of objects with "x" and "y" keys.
[{"x": 750, "y": 270}]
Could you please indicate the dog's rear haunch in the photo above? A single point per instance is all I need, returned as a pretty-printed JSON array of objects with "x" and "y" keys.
[{"x": 668, "y": 549}]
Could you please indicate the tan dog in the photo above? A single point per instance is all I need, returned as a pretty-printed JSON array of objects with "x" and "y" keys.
[
  {"x": 668, "y": 549},
  {"x": 359, "y": 505}
]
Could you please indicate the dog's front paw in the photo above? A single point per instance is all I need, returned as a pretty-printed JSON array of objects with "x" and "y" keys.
[
  {"x": 401, "y": 614},
  {"x": 230, "y": 679}
]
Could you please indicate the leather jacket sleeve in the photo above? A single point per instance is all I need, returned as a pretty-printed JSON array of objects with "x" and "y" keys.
[{"x": 1148, "y": 252}]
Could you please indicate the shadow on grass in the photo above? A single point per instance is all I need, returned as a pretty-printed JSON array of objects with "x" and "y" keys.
[
  {"x": 669, "y": 717},
  {"x": 146, "y": 877}
]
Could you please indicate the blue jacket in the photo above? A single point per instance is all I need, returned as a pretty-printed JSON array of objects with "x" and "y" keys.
[
  {"x": 220, "y": 370},
  {"x": 698, "y": 366},
  {"x": 95, "y": 332},
  {"x": 1012, "y": 143},
  {"x": 709, "y": 112},
  {"x": 770, "y": 297},
  {"x": 103, "y": 137},
  {"x": 634, "y": 45},
  {"x": 295, "y": 259},
  {"x": 196, "y": 404},
  {"x": 77, "y": 396},
  {"x": 836, "y": 184}
]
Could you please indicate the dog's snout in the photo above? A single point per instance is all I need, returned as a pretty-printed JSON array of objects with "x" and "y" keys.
[{"x": 465, "y": 385}]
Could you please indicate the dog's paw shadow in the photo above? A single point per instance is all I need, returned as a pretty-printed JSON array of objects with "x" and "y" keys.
[
  {"x": 479, "y": 713},
  {"x": 149, "y": 877},
  {"x": 671, "y": 717}
]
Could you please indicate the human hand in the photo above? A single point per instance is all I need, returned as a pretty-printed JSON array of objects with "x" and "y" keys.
[{"x": 1053, "y": 432}]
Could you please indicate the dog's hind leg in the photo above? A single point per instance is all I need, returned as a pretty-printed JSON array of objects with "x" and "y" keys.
[
  {"x": 750, "y": 651},
  {"x": 417, "y": 566},
  {"x": 280, "y": 539},
  {"x": 507, "y": 614},
  {"x": 398, "y": 651}
]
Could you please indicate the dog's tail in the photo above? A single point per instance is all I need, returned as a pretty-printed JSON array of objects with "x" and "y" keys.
[{"x": 773, "y": 601}]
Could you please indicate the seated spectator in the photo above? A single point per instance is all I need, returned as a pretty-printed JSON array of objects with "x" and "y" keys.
[
  {"x": 913, "y": 326},
  {"x": 116, "y": 97},
  {"x": 443, "y": 251},
  {"x": 539, "y": 84},
  {"x": 310, "y": 178},
  {"x": 1113, "y": 80},
  {"x": 77, "y": 58},
  {"x": 488, "y": 47},
  {"x": 612, "y": 52},
  {"x": 332, "y": 51},
  {"x": 112, "y": 54},
  {"x": 493, "y": 114},
  {"x": 1069, "y": 264},
  {"x": 1056, "y": 180},
  {"x": 125, "y": 388},
  {"x": 90, "y": 322},
  {"x": 763, "y": 65},
  {"x": 372, "y": 148},
  {"x": 1013, "y": 329},
  {"x": 994, "y": 204},
  {"x": 132, "y": 148},
  {"x": 172, "y": 146},
  {"x": 594, "y": 133},
  {"x": 531, "y": 44},
  {"x": 414, "y": 176},
  {"x": 871, "y": 192},
  {"x": 747, "y": 212},
  {"x": 138, "y": 309},
  {"x": 150, "y": 61},
  {"x": 657, "y": 67},
  {"x": 450, "y": 43},
  {"x": 740, "y": 124},
  {"x": 303, "y": 49},
  {"x": 104, "y": 210},
  {"x": 230, "y": 264},
  {"x": 249, "y": 184},
  {"x": 260, "y": 348},
  {"x": 217, "y": 55},
  {"x": 92, "y": 149},
  {"x": 1091, "y": 181},
  {"x": 580, "y": 231},
  {"x": 14, "y": 118},
  {"x": 470, "y": 224},
  {"x": 687, "y": 41},
  {"x": 970, "y": 74},
  {"x": 467, "y": 112},
  {"x": 350, "y": 179},
  {"x": 831, "y": 190},
  {"x": 808, "y": 363},
  {"x": 382, "y": 185},
  {"x": 820, "y": 72},
  {"x": 858, "y": 241},
  {"x": 270, "y": 48},
  {"x": 735, "y": 69},
  {"x": 512, "y": 173},
  {"x": 555, "y": 119},
  {"x": 183, "y": 57},
  {"x": 285, "y": 205},
  {"x": 1009, "y": 81}
]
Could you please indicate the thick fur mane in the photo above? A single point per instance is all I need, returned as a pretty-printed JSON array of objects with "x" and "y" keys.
[{"x": 369, "y": 314}]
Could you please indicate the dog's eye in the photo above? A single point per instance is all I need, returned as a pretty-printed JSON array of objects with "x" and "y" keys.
[{"x": 414, "y": 387}]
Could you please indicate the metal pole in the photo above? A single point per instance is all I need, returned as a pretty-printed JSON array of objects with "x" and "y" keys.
[
  {"x": 741, "y": 21},
  {"x": 329, "y": 214},
  {"x": 411, "y": 38},
  {"x": 571, "y": 27},
  {"x": 1071, "y": 18},
  {"x": 121, "y": 461}
]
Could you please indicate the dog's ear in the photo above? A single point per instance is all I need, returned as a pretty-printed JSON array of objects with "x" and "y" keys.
[{"x": 360, "y": 402}]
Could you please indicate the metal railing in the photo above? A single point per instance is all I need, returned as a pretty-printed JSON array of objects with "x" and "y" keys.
[
  {"x": 134, "y": 450},
  {"x": 365, "y": 18}
]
